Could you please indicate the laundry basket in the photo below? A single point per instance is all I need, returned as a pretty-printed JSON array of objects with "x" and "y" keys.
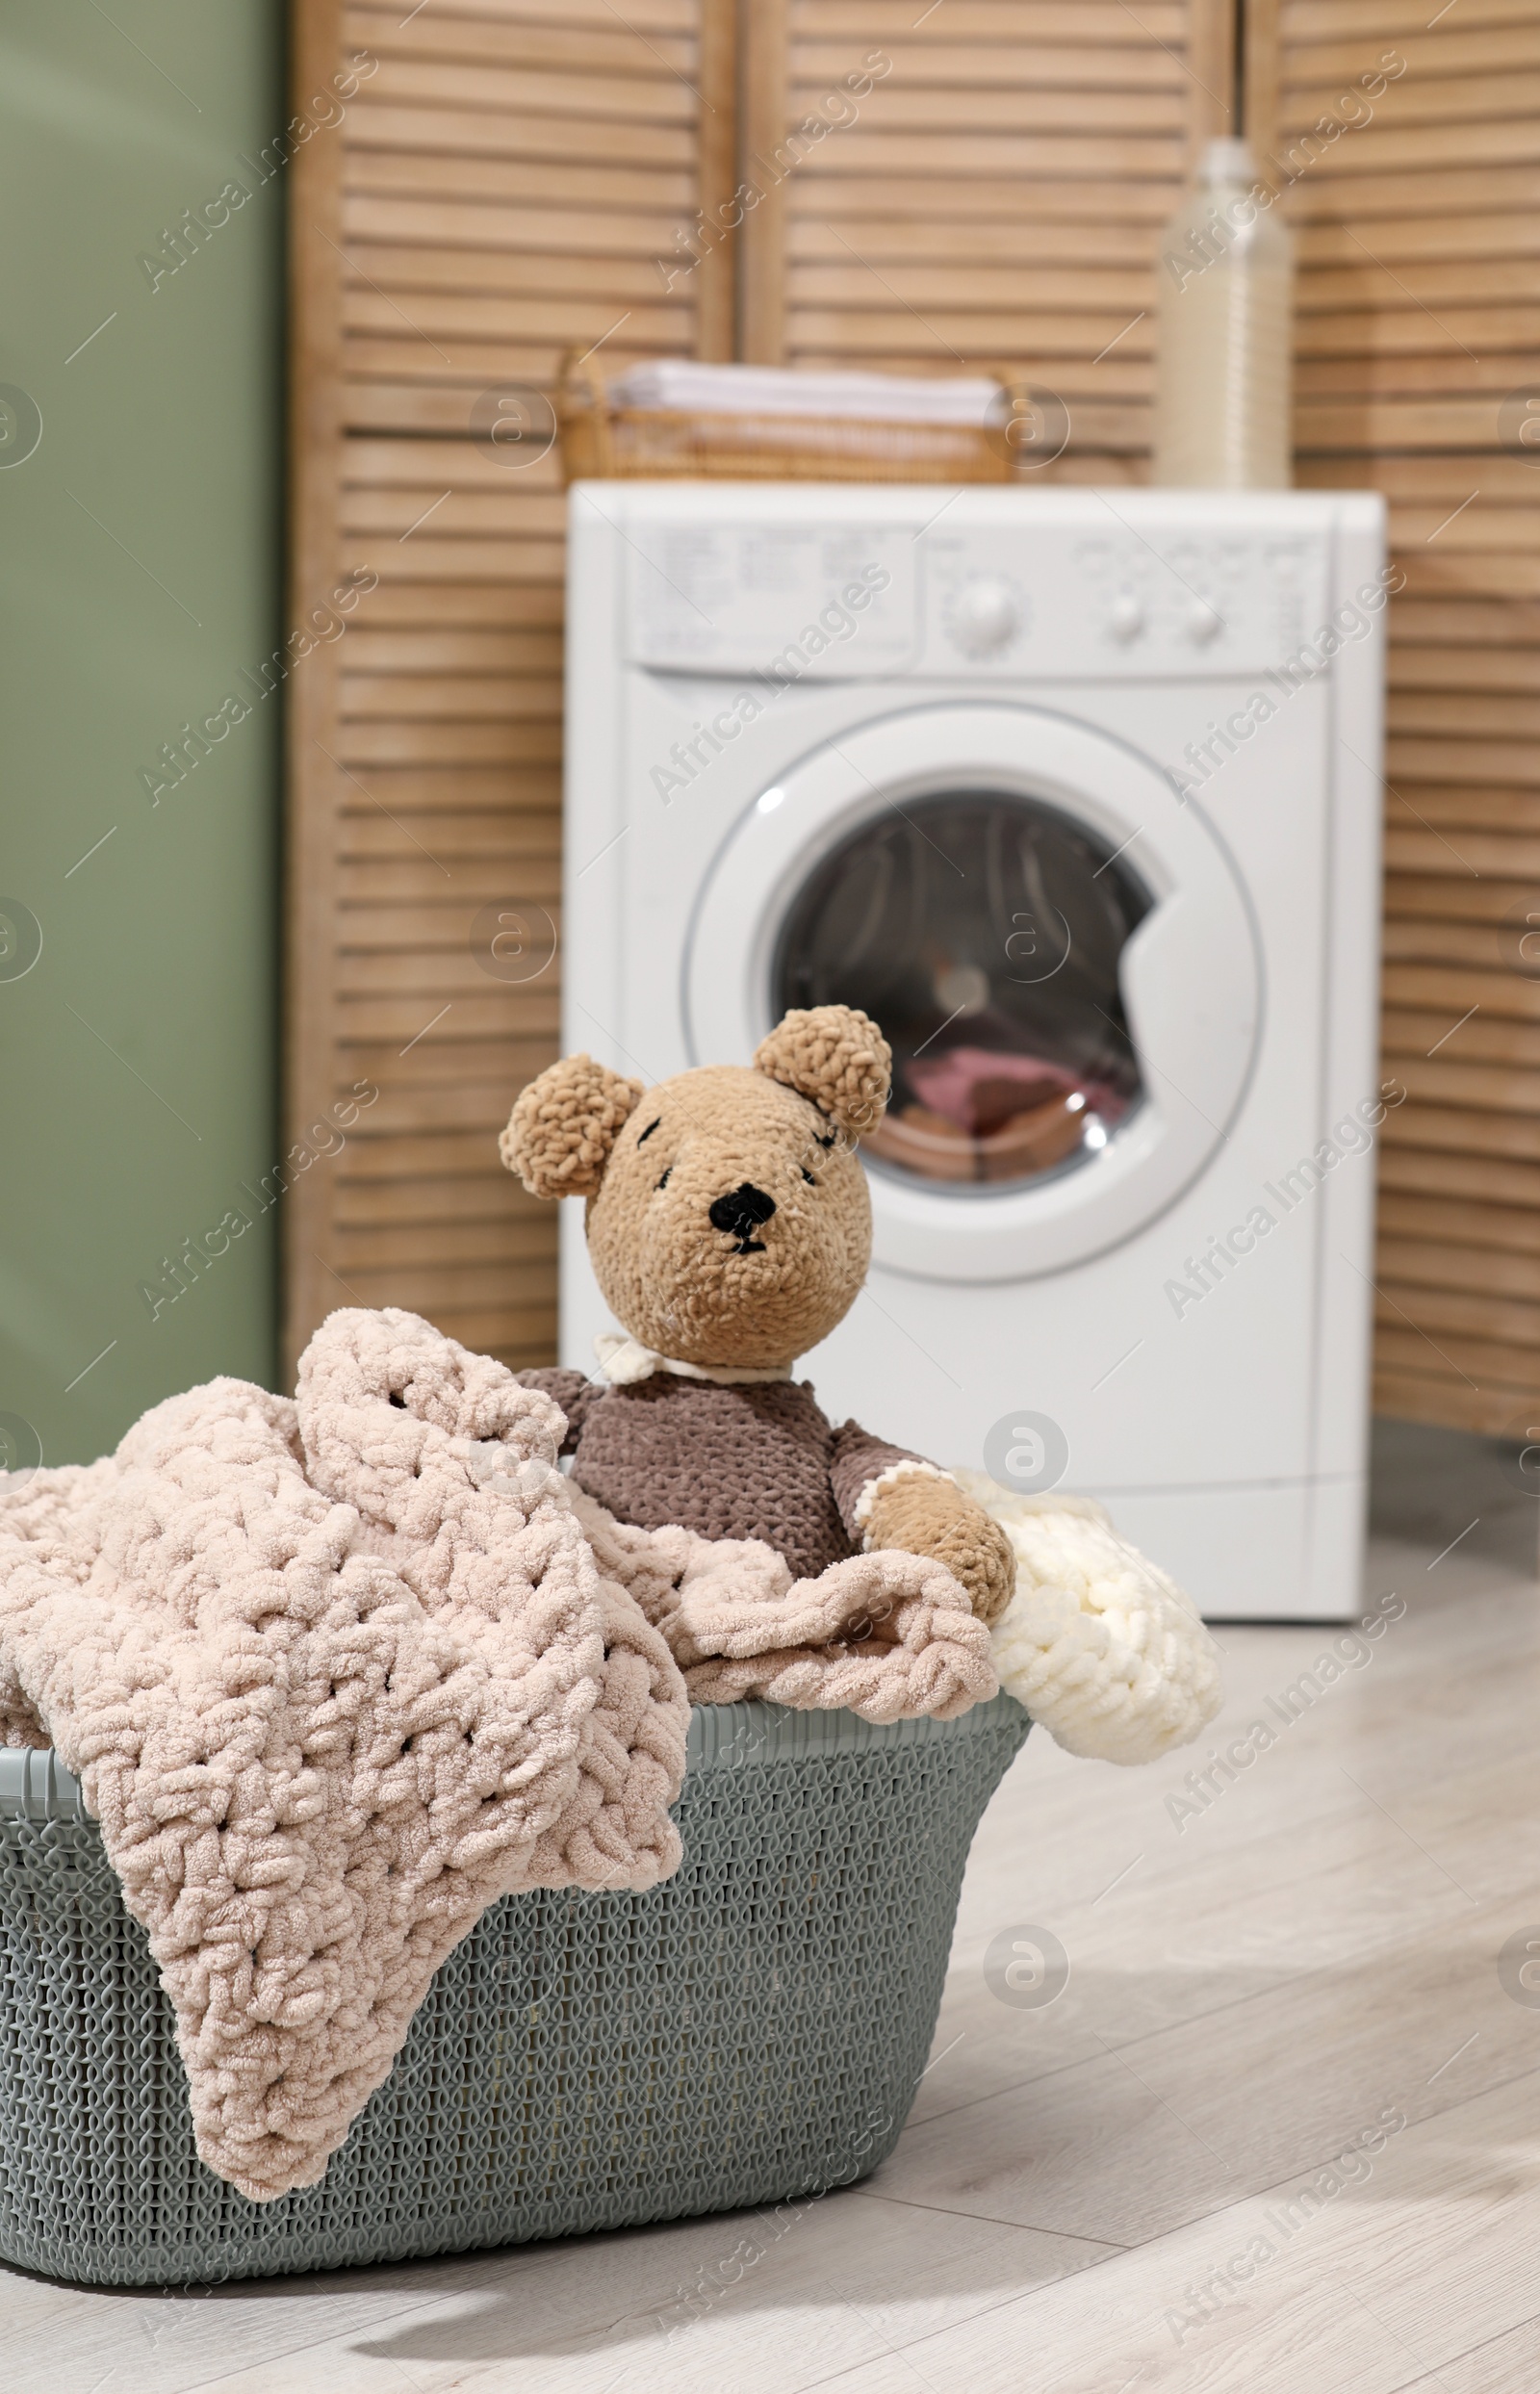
[
  {"x": 603, "y": 440},
  {"x": 753, "y": 2029}
]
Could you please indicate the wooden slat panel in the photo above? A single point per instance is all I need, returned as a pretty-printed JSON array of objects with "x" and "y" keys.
[
  {"x": 1420, "y": 312},
  {"x": 590, "y": 186},
  {"x": 1450, "y": 988},
  {"x": 1415, "y": 666},
  {"x": 991, "y": 201},
  {"x": 1386, "y": 148},
  {"x": 1466, "y": 50},
  {"x": 438, "y": 270},
  {"x": 316, "y": 1072},
  {"x": 1461, "y": 1317},
  {"x": 653, "y": 17},
  {"x": 845, "y": 281},
  {"x": 611, "y": 48},
  {"x": 1037, "y": 23},
  {"x": 1464, "y": 1131},
  {"x": 1491, "y": 1366},
  {"x": 432, "y": 1199},
  {"x": 1450, "y": 370},
  {"x": 498, "y": 1240},
  {"x": 978, "y": 202},
  {"x": 1490, "y": 808},
  {"x": 1461, "y": 1082},
  {"x": 1447, "y": 1264},
  {"x": 560, "y": 138},
  {"x": 515, "y": 101},
  {"x": 1124, "y": 68},
  {"x": 1481, "y": 1038},
  {"x": 463, "y": 229},
  {"x": 1442, "y": 1224},
  {"x": 941, "y": 155},
  {"x": 1449, "y": 1402},
  {"x": 1471, "y": 1180},
  {"x": 1411, "y": 896},
  {"x": 979, "y": 105},
  {"x": 502, "y": 188},
  {"x": 763, "y": 240},
  {"x": 1348, "y": 335}
]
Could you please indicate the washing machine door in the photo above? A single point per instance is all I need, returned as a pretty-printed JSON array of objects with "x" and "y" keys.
[{"x": 1056, "y": 943}]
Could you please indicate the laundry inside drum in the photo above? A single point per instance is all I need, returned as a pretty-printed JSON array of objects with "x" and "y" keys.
[{"x": 984, "y": 932}]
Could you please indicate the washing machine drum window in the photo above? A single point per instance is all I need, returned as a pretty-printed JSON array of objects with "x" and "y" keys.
[
  {"x": 1033, "y": 914},
  {"x": 984, "y": 932}
]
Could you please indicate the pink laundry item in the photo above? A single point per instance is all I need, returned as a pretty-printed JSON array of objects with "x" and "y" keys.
[{"x": 980, "y": 1088}]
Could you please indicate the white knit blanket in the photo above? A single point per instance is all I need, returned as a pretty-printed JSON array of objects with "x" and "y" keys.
[{"x": 1099, "y": 1644}]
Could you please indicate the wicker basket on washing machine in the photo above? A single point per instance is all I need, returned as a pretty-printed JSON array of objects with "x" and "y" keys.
[
  {"x": 603, "y": 440},
  {"x": 752, "y": 2029}
]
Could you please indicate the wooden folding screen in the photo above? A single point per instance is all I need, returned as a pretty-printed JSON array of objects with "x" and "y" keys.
[
  {"x": 501, "y": 188},
  {"x": 1419, "y": 337},
  {"x": 974, "y": 185}
]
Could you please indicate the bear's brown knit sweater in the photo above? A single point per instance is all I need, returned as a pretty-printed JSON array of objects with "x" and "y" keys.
[{"x": 728, "y": 1460}]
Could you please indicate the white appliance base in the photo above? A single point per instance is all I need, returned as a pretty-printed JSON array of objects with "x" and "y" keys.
[{"x": 1284, "y": 1553}]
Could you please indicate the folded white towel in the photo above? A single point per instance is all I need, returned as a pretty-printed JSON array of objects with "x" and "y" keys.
[{"x": 683, "y": 383}]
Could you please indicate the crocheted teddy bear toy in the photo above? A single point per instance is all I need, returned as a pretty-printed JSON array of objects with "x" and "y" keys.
[{"x": 730, "y": 1228}]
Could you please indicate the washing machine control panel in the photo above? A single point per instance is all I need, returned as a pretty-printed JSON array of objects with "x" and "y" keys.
[
  {"x": 777, "y": 602},
  {"x": 774, "y": 603},
  {"x": 1119, "y": 604}
]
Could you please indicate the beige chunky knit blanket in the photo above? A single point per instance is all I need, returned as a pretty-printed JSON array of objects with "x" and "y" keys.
[
  {"x": 891, "y": 1635},
  {"x": 334, "y": 1676}
]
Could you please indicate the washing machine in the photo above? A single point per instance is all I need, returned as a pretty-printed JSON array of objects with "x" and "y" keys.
[{"x": 1077, "y": 792}]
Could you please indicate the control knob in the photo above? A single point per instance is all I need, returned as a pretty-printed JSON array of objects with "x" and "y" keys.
[
  {"x": 1126, "y": 618},
  {"x": 985, "y": 614}
]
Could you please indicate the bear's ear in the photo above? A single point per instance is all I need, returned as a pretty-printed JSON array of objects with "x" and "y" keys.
[
  {"x": 837, "y": 1056},
  {"x": 564, "y": 1124}
]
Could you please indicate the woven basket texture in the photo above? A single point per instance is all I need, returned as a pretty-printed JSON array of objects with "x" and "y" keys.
[
  {"x": 602, "y": 440},
  {"x": 752, "y": 2030},
  {"x": 667, "y": 445}
]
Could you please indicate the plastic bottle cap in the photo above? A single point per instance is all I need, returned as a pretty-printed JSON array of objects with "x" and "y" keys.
[{"x": 1227, "y": 161}]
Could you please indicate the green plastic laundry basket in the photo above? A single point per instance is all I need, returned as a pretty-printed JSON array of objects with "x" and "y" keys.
[{"x": 752, "y": 2030}]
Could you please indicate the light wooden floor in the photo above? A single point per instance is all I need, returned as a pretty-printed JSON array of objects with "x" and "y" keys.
[{"x": 1248, "y": 1995}]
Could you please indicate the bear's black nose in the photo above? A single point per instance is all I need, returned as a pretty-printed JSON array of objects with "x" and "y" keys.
[{"x": 740, "y": 1213}]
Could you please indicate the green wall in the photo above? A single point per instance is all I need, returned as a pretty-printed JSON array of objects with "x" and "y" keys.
[{"x": 139, "y": 569}]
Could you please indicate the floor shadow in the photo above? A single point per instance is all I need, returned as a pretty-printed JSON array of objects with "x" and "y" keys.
[
  {"x": 617, "y": 2295},
  {"x": 1429, "y": 1486}
]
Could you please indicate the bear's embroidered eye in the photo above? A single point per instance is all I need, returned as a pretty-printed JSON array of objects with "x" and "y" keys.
[
  {"x": 648, "y": 1132},
  {"x": 809, "y": 1179},
  {"x": 663, "y": 1183},
  {"x": 818, "y": 1139}
]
